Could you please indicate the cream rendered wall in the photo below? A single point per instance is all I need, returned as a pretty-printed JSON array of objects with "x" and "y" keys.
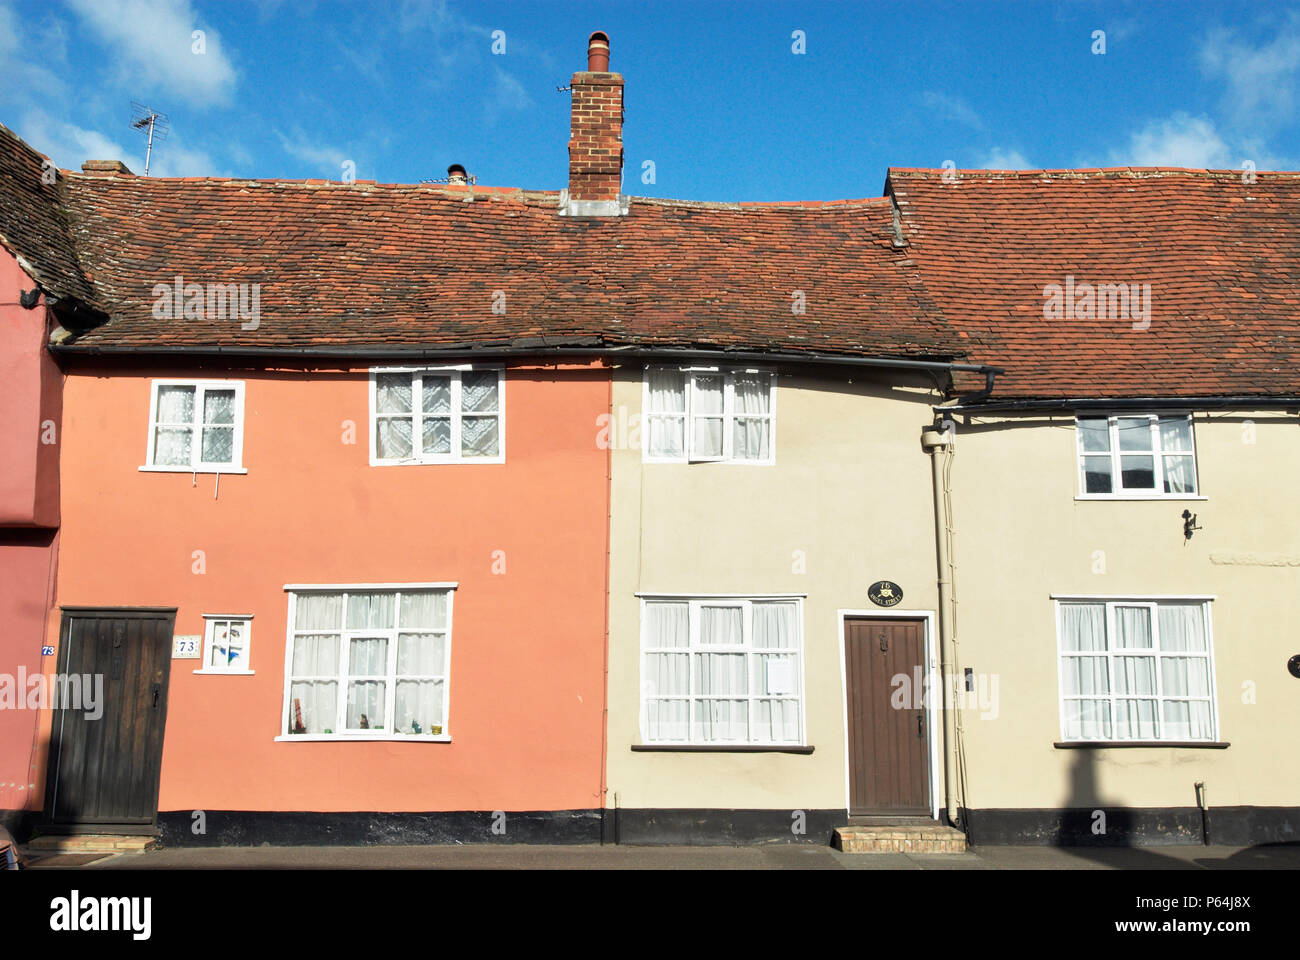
[
  {"x": 1021, "y": 536},
  {"x": 850, "y": 488}
]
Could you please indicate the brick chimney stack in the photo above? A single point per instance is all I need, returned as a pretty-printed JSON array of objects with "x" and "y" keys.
[{"x": 596, "y": 138}]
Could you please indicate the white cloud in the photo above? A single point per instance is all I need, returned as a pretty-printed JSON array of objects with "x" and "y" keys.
[
  {"x": 510, "y": 93},
  {"x": 32, "y": 55},
  {"x": 1261, "y": 78},
  {"x": 953, "y": 108},
  {"x": 1000, "y": 158},
  {"x": 329, "y": 160},
  {"x": 69, "y": 145},
  {"x": 1177, "y": 141},
  {"x": 153, "y": 43},
  {"x": 171, "y": 159}
]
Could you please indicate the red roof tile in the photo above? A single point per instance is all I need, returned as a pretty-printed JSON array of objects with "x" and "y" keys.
[
  {"x": 32, "y": 225},
  {"x": 361, "y": 264},
  {"x": 1221, "y": 256}
]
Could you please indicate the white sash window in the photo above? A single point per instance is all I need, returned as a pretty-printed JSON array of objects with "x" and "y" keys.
[
  {"x": 1136, "y": 670},
  {"x": 368, "y": 663},
  {"x": 703, "y": 414},
  {"x": 722, "y": 671}
]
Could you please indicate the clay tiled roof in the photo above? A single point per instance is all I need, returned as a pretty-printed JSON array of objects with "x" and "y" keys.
[
  {"x": 32, "y": 224},
  {"x": 1222, "y": 258},
  {"x": 370, "y": 264}
]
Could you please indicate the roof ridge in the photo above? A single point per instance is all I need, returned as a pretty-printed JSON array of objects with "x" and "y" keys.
[{"x": 1081, "y": 173}]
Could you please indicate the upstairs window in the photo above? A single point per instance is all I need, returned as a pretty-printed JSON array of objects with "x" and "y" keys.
[
  {"x": 437, "y": 415},
  {"x": 706, "y": 414},
  {"x": 196, "y": 426},
  {"x": 1136, "y": 456}
]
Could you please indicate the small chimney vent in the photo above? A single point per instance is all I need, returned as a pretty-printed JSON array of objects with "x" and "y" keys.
[{"x": 106, "y": 168}]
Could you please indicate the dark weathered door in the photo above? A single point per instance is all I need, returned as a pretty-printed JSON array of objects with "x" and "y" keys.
[
  {"x": 103, "y": 770},
  {"x": 888, "y": 735}
]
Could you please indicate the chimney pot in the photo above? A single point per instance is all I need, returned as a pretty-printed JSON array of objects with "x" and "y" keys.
[
  {"x": 456, "y": 174},
  {"x": 598, "y": 53}
]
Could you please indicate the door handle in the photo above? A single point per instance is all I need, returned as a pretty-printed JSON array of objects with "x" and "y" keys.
[
  {"x": 157, "y": 691},
  {"x": 884, "y": 643},
  {"x": 920, "y": 725}
]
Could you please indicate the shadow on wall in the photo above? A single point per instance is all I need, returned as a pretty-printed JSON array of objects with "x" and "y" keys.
[
  {"x": 1089, "y": 823},
  {"x": 1093, "y": 829}
]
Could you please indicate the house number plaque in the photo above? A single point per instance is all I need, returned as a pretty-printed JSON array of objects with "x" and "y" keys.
[{"x": 884, "y": 593}]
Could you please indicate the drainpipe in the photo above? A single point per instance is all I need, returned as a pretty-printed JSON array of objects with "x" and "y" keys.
[{"x": 937, "y": 443}]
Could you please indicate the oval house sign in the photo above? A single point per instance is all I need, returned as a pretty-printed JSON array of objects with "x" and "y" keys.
[{"x": 885, "y": 593}]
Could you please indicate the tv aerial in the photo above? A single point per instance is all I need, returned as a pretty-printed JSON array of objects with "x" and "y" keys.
[{"x": 143, "y": 118}]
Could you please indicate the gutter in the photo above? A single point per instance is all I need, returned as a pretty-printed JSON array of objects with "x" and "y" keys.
[
  {"x": 581, "y": 348},
  {"x": 1071, "y": 404}
]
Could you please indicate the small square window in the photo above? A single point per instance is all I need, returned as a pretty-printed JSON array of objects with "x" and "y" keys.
[
  {"x": 1136, "y": 456},
  {"x": 196, "y": 426},
  {"x": 437, "y": 415},
  {"x": 226, "y": 643}
]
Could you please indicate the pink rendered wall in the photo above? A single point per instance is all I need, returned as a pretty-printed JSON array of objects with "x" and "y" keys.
[
  {"x": 30, "y": 392},
  {"x": 527, "y": 664},
  {"x": 30, "y": 385}
]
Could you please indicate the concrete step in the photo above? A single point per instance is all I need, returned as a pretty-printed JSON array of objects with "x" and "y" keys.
[
  {"x": 900, "y": 838},
  {"x": 89, "y": 843}
]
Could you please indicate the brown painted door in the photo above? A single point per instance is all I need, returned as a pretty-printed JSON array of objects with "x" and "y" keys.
[
  {"x": 106, "y": 746},
  {"x": 888, "y": 735}
]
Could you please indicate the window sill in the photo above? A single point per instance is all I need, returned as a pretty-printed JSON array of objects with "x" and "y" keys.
[
  {"x": 224, "y": 673},
  {"x": 205, "y": 470},
  {"x": 725, "y": 463},
  {"x": 720, "y": 748},
  {"x": 435, "y": 463},
  {"x": 1138, "y": 496},
  {"x": 1111, "y": 744},
  {"x": 362, "y": 738}
]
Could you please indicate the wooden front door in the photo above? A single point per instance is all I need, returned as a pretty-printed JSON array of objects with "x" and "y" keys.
[
  {"x": 888, "y": 725},
  {"x": 103, "y": 769}
]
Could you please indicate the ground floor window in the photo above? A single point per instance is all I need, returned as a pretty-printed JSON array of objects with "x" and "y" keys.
[
  {"x": 1136, "y": 670},
  {"x": 367, "y": 662},
  {"x": 722, "y": 670}
]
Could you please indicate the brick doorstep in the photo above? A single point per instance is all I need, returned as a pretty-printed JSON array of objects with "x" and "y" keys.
[
  {"x": 925, "y": 838},
  {"x": 89, "y": 843}
]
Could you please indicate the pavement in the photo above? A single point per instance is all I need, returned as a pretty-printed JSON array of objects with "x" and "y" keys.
[{"x": 626, "y": 857}]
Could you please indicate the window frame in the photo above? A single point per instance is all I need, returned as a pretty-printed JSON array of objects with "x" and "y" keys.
[
  {"x": 343, "y": 733},
  {"x": 454, "y": 372},
  {"x": 1157, "y": 653},
  {"x": 746, "y": 602},
  {"x": 210, "y": 622},
  {"x": 728, "y": 414},
  {"x": 1115, "y": 454},
  {"x": 195, "y": 466}
]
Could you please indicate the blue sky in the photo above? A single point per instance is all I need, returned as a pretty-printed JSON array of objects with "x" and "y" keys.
[{"x": 716, "y": 96}]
